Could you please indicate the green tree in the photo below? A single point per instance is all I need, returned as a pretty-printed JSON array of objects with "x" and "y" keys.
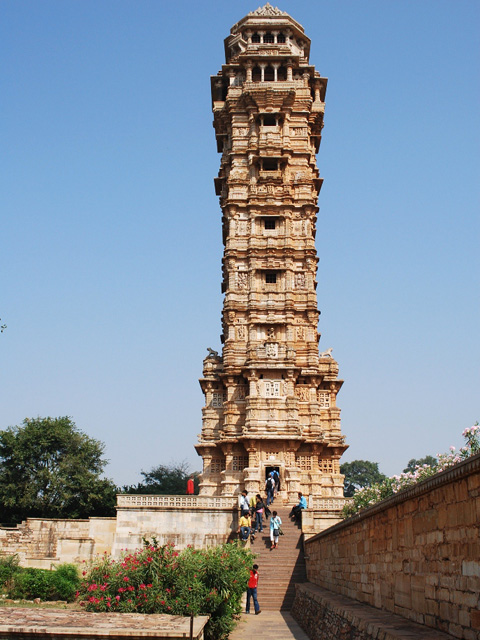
[
  {"x": 359, "y": 474},
  {"x": 50, "y": 469},
  {"x": 169, "y": 480},
  {"x": 413, "y": 463}
]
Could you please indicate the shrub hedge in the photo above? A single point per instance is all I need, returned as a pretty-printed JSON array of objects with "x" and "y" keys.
[{"x": 61, "y": 583}]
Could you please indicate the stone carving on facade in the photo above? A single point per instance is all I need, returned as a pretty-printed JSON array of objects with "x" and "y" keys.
[
  {"x": 301, "y": 334},
  {"x": 241, "y": 332},
  {"x": 272, "y": 349},
  {"x": 300, "y": 280},
  {"x": 242, "y": 279}
]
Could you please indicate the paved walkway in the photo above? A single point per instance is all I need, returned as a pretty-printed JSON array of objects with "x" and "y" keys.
[
  {"x": 268, "y": 625},
  {"x": 17, "y": 622}
]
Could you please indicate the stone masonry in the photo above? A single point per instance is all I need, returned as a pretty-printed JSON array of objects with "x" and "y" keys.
[
  {"x": 270, "y": 396},
  {"x": 416, "y": 554}
]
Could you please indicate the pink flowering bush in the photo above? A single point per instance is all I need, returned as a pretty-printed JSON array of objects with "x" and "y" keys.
[
  {"x": 368, "y": 496},
  {"x": 159, "y": 579}
]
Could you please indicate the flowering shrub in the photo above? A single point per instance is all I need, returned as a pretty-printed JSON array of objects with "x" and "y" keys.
[
  {"x": 159, "y": 579},
  {"x": 368, "y": 496}
]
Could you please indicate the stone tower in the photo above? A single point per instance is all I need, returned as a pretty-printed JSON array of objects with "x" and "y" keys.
[{"x": 270, "y": 398}]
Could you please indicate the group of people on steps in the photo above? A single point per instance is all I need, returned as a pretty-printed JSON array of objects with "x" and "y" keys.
[
  {"x": 251, "y": 519},
  {"x": 256, "y": 508}
]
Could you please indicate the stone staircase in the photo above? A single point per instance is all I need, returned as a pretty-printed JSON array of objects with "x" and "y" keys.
[{"x": 282, "y": 567}]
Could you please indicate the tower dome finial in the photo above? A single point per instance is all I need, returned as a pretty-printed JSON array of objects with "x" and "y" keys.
[{"x": 268, "y": 10}]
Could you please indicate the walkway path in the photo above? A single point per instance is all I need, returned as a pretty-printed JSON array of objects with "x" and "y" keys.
[{"x": 269, "y": 625}]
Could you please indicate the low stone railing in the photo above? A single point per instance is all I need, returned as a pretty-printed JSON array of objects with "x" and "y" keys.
[{"x": 176, "y": 502}]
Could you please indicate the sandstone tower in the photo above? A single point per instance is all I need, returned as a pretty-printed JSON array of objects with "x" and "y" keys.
[{"x": 270, "y": 398}]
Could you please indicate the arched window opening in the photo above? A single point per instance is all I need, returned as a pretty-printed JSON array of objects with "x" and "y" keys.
[
  {"x": 281, "y": 38},
  {"x": 255, "y": 37},
  {"x": 282, "y": 73},
  {"x": 269, "y": 74},
  {"x": 269, "y": 38},
  {"x": 256, "y": 74}
]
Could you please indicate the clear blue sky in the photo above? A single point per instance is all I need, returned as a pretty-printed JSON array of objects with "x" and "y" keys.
[{"x": 110, "y": 246}]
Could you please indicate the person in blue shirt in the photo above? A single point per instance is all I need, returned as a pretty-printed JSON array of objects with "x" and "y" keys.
[{"x": 296, "y": 511}]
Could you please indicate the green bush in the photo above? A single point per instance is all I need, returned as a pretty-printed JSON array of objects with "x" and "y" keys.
[
  {"x": 8, "y": 566},
  {"x": 60, "y": 583},
  {"x": 158, "y": 579},
  {"x": 66, "y": 581}
]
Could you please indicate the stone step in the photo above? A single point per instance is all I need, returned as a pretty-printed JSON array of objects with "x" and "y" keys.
[{"x": 282, "y": 567}]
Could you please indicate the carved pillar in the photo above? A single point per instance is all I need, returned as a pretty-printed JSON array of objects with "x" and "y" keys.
[
  {"x": 262, "y": 66},
  {"x": 248, "y": 68},
  {"x": 289, "y": 71}
]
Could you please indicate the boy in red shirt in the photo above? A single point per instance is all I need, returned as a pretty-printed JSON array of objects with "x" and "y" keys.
[{"x": 252, "y": 590}]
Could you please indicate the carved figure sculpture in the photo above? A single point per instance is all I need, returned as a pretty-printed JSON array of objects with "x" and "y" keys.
[{"x": 327, "y": 353}]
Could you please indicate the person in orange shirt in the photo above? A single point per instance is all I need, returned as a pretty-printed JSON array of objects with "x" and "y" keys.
[
  {"x": 190, "y": 487},
  {"x": 252, "y": 590}
]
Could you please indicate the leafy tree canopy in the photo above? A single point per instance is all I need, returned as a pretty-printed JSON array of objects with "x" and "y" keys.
[
  {"x": 165, "y": 480},
  {"x": 413, "y": 463},
  {"x": 51, "y": 469},
  {"x": 359, "y": 474}
]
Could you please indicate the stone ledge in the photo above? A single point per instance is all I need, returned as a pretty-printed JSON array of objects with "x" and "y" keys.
[
  {"x": 325, "y": 615},
  {"x": 19, "y": 623}
]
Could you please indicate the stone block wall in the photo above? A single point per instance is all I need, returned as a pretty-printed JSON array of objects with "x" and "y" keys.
[
  {"x": 416, "y": 554},
  {"x": 43, "y": 543},
  {"x": 200, "y": 521},
  {"x": 324, "y": 615}
]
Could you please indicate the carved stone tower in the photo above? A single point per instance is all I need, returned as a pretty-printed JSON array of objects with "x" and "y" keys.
[{"x": 271, "y": 397}]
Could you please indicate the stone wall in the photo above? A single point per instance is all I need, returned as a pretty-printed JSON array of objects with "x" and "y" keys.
[
  {"x": 43, "y": 543},
  {"x": 200, "y": 521},
  {"x": 416, "y": 554},
  {"x": 328, "y": 616}
]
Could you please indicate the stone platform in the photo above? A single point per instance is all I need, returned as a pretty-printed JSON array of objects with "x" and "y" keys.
[{"x": 18, "y": 623}]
